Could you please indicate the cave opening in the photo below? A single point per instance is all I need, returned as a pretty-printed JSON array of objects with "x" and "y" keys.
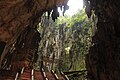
[{"x": 64, "y": 41}]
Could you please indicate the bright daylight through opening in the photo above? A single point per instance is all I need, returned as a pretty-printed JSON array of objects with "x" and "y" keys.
[{"x": 74, "y": 6}]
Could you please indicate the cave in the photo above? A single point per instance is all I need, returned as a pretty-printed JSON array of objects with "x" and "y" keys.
[{"x": 18, "y": 21}]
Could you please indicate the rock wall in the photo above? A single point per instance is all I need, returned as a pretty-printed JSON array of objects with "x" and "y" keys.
[
  {"x": 16, "y": 15},
  {"x": 103, "y": 60}
]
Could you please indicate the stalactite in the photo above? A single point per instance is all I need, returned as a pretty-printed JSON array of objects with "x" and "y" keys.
[{"x": 17, "y": 15}]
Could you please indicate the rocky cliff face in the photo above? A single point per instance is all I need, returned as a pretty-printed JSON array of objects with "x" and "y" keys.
[
  {"x": 103, "y": 60},
  {"x": 17, "y": 15}
]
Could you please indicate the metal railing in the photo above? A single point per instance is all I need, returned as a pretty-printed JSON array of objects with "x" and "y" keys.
[
  {"x": 55, "y": 75},
  {"x": 65, "y": 76}
]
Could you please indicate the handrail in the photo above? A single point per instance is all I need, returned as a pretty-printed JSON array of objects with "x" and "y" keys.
[
  {"x": 65, "y": 76},
  {"x": 32, "y": 74},
  {"x": 55, "y": 75},
  {"x": 44, "y": 74},
  {"x": 72, "y": 72},
  {"x": 22, "y": 70},
  {"x": 16, "y": 77}
]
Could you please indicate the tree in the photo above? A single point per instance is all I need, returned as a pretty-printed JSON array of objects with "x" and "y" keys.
[{"x": 65, "y": 41}]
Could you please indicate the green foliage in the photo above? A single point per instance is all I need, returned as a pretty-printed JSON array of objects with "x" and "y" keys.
[{"x": 68, "y": 39}]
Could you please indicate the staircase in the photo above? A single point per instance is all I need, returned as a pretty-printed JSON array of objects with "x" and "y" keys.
[{"x": 31, "y": 74}]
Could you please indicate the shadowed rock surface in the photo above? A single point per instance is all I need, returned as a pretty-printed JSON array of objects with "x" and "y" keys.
[
  {"x": 103, "y": 60},
  {"x": 17, "y": 17}
]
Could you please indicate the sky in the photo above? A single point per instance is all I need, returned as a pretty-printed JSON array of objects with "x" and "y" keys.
[{"x": 74, "y": 6}]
